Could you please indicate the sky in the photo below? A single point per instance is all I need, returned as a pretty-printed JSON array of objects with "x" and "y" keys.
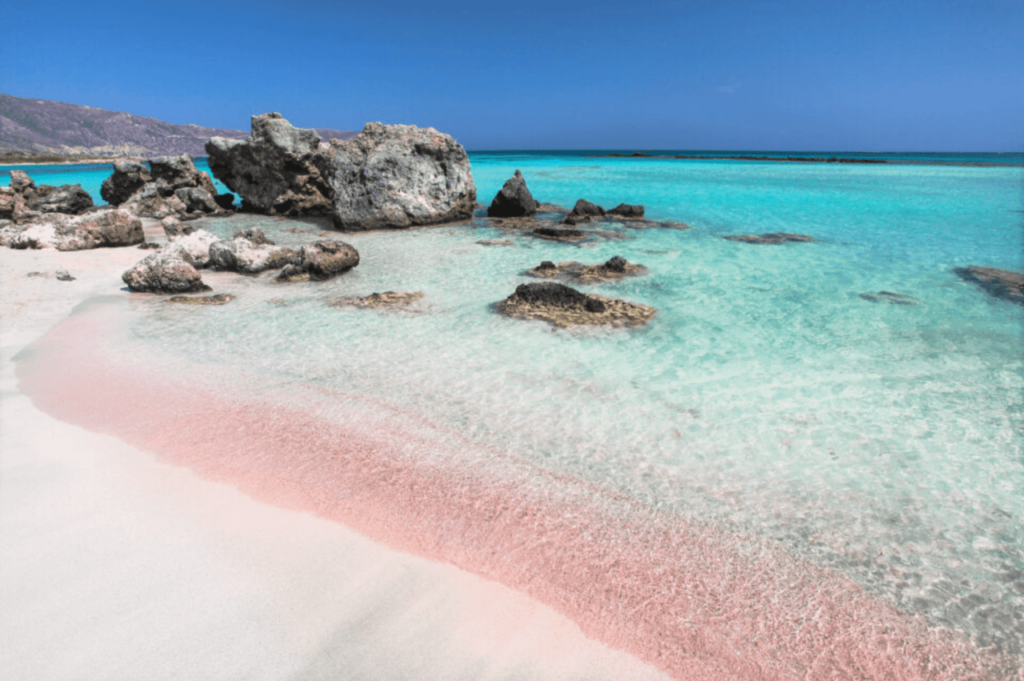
[{"x": 800, "y": 75}]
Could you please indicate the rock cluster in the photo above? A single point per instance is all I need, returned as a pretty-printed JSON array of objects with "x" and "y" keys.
[
  {"x": 99, "y": 228},
  {"x": 23, "y": 201},
  {"x": 389, "y": 176},
  {"x": 614, "y": 269},
  {"x": 171, "y": 185},
  {"x": 564, "y": 306},
  {"x": 513, "y": 200}
]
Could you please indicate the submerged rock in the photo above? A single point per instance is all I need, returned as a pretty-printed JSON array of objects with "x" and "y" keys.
[
  {"x": 388, "y": 299},
  {"x": 216, "y": 299},
  {"x": 560, "y": 234},
  {"x": 564, "y": 306},
  {"x": 771, "y": 238},
  {"x": 495, "y": 242},
  {"x": 889, "y": 297},
  {"x": 164, "y": 272},
  {"x": 513, "y": 200},
  {"x": 999, "y": 283},
  {"x": 389, "y": 176},
  {"x": 614, "y": 269}
]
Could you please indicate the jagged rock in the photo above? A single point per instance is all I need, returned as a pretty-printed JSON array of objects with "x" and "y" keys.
[
  {"x": 171, "y": 173},
  {"x": 771, "y": 238},
  {"x": 612, "y": 270},
  {"x": 193, "y": 247},
  {"x": 164, "y": 272},
  {"x": 999, "y": 283},
  {"x": 889, "y": 297},
  {"x": 69, "y": 199},
  {"x": 321, "y": 260},
  {"x": 513, "y": 200},
  {"x": 128, "y": 178},
  {"x": 584, "y": 207},
  {"x": 21, "y": 182},
  {"x": 564, "y": 306},
  {"x": 101, "y": 228},
  {"x": 251, "y": 256},
  {"x": 626, "y": 210},
  {"x": 196, "y": 200},
  {"x": 388, "y": 176}
]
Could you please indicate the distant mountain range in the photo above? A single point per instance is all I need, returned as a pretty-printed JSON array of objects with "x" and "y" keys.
[{"x": 37, "y": 128}]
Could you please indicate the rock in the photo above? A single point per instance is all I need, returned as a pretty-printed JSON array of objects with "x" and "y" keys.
[
  {"x": 613, "y": 270},
  {"x": 173, "y": 228},
  {"x": 626, "y": 210},
  {"x": 584, "y": 207},
  {"x": 128, "y": 178},
  {"x": 21, "y": 182},
  {"x": 196, "y": 200},
  {"x": 616, "y": 264},
  {"x": 64, "y": 275},
  {"x": 771, "y": 238},
  {"x": 163, "y": 272},
  {"x": 547, "y": 265},
  {"x": 388, "y": 299},
  {"x": 149, "y": 245},
  {"x": 513, "y": 200},
  {"x": 327, "y": 259},
  {"x": 564, "y": 306},
  {"x": 225, "y": 201},
  {"x": 572, "y": 219},
  {"x": 560, "y": 234},
  {"x": 255, "y": 235},
  {"x": 69, "y": 199},
  {"x": 388, "y": 176},
  {"x": 889, "y": 297},
  {"x": 495, "y": 242},
  {"x": 171, "y": 173},
  {"x": 292, "y": 273},
  {"x": 217, "y": 299},
  {"x": 251, "y": 257},
  {"x": 193, "y": 247},
  {"x": 999, "y": 283},
  {"x": 101, "y": 228},
  {"x": 11, "y": 203}
]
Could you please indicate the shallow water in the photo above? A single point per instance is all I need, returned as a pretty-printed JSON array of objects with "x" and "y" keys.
[{"x": 767, "y": 399}]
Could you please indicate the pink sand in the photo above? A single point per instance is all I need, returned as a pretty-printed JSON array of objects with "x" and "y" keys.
[{"x": 691, "y": 600}]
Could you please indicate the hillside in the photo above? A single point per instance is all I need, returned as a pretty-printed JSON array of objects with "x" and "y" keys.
[{"x": 34, "y": 128}]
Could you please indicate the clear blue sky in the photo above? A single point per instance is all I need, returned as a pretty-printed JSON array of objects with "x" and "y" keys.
[{"x": 935, "y": 75}]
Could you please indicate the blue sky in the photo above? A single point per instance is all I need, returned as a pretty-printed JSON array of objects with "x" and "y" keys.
[{"x": 941, "y": 75}]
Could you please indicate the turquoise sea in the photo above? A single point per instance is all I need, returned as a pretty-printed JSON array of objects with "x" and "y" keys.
[{"x": 767, "y": 397}]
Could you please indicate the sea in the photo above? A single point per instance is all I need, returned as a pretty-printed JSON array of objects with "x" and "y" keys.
[{"x": 783, "y": 475}]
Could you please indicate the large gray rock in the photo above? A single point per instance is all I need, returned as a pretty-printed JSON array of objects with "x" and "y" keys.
[
  {"x": 193, "y": 246},
  {"x": 389, "y": 176},
  {"x": 514, "y": 200},
  {"x": 251, "y": 252},
  {"x": 100, "y": 228},
  {"x": 163, "y": 272},
  {"x": 172, "y": 185},
  {"x": 128, "y": 178},
  {"x": 321, "y": 260}
]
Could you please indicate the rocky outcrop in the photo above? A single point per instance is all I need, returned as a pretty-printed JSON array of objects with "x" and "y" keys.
[
  {"x": 389, "y": 176},
  {"x": 564, "y": 306},
  {"x": 192, "y": 246},
  {"x": 513, "y": 200},
  {"x": 771, "y": 238},
  {"x": 321, "y": 261},
  {"x": 250, "y": 252},
  {"x": 99, "y": 228},
  {"x": 23, "y": 201},
  {"x": 164, "y": 272},
  {"x": 584, "y": 207},
  {"x": 614, "y": 269},
  {"x": 999, "y": 283},
  {"x": 625, "y": 210},
  {"x": 172, "y": 185}
]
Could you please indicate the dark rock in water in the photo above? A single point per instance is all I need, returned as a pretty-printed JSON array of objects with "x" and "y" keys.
[
  {"x": 514, "y": 199},
  {"x": 616, "y": 264},
  {"x": 495, "y": 242},
  {"x": 771, "y": 238},
  {"x": 64, "y": 275},
  {"x": 128, "y": 178},
  {"x": 149, "y": 245},
  {"x": 389, "y": 176},
  {"x": 572, "y": 219},
  {"x": 546, "y": 265},
  {"x": 163, "y": 273},
  {"x": 613, "y": 270},
  {"x": 889, "y": 297},
  {"x": 626, "y": 210},
  {"x": 327, "y": 259},
  {"x": 69, "y": 199},
  {"x": 216, "y": 299},
  {"x": 584, "y": 207},
  {"x": 564, "y": 306},
  {"x": 560, "y": 234},
  {"x": 255, "y": 235},
  {"x": 999, "y": 283}
]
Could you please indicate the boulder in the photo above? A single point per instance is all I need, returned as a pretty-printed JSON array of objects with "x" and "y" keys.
[
  {"x": 171, "y": 173},
  {"x": 626, "y": 210},
  {"x": 196, "y": 199},
  {"x": 514, "y": 200},
  {"x": 193, "y": 247},
  {"x": 321, "y": 260},
  {"x": 163, "y": 272},
  {"x": 100, "y": 228},
  {"x": 389, "y": 176},
  {"x": 251, "y": 256},
  {"x": 11, "y": 203},
  {"x": 128, "y": 178},
  {"x": 69, "y": 199},
  {"x": 584, "y": 207}
]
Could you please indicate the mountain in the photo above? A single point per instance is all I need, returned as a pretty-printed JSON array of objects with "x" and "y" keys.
[{"x": 31, "y": 128}]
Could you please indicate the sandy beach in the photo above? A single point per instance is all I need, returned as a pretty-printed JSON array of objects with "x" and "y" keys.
[{"x": 117, "y": 565}]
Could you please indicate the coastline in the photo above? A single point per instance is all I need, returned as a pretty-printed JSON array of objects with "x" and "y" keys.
[
  {"x": 143, "y": 568},
  {"x": 7, "y": 163}
]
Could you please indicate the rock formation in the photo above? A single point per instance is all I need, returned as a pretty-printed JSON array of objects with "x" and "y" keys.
[
  {"x": 513, "y": 200},
  {"x": 625, "y": 210},
  {"x": 23, "y": 201},
  {"x": 164, "y": 272},
  {"x": 999, "y": 283},
  {"x": 389, "y": 176},
  {"x": 99, "y": 228},
  {"x": 584, "y": 207},
  {"x": 172, "y": 185},
  {"x": 250, "y": 252},
  {"x": 564, "y": 306}
]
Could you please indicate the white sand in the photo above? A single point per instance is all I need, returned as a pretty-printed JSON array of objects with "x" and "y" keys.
[{"x": 114, "y": 565}]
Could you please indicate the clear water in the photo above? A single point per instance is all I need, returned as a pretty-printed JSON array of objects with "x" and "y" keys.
[{"x": 767, "y": 397}]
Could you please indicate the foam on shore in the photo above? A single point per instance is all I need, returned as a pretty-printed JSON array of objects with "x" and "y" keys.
[{"x": 691, "y": 600}]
